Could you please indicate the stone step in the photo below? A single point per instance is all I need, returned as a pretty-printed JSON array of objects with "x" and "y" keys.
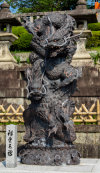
[
  {"x": 13, "y": 93},
  {"x": 86, "y": 166},
  {"x": 89, "y": 82},
  {"x": 90, "y": 72},
  {"x": 88, "y": 92},
  {"x": 12, "y": 83},
  {"x": 9, "y": 74},
  {"x": 23, "y": 56}
]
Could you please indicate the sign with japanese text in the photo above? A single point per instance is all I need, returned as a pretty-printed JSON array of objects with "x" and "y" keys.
[{"x": 11, "y": 146}]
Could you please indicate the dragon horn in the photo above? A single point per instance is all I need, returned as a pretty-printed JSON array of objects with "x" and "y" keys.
[
  {"x": 77, "y": 34},
  {"x": 64, "y": 39}
]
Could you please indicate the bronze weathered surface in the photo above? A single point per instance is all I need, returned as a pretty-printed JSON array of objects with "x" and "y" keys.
[{"x": 51, "y": 81}]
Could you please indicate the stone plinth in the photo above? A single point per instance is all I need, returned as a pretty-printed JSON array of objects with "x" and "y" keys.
[
  {"x": 54, "y": 156},
  {"x": 5, "y": 55},
  {"x": 8, "y": 65},
  {"x": 81, "y": 56}
]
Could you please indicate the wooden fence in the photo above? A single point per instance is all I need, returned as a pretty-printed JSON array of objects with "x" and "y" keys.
[
  {"x": 87, "y": 116},
  {"x": 80, "y": 116}
]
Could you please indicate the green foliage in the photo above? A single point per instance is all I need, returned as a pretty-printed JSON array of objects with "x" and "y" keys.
[
  {"x": 20, "y": 51},
  {"x": 17, "y": 59},
  {"x": 24, "y": 39},
  {"x": 28, "y": 61},
  {"x": 94, "y": 41},
  {"x": 19, "y": 123},
  {"x": 41, "y": 5},
  {"x": 94, "y": 117},
  {"x": 18, "y": 30},
  {"x": 4, "y": 111},
  {"x": 86, "y": 123},
  {"x": 95, "y": 57},
  {"x": 45, "y": 5},
  {"x": 5, "y": 29},
  {"x": 90, "y": 123},
  {"x": 77, "y": 123},
  {"x": 93, "y": 48},
  {"x": 94, "y": 26},
  {"x": 96, "y": 33}
]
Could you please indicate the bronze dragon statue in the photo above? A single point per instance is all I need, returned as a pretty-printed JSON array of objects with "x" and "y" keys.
[{"x": 51, "y": 82}]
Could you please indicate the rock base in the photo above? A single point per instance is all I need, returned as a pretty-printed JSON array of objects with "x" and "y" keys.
[{"x": 55, "y": 156}]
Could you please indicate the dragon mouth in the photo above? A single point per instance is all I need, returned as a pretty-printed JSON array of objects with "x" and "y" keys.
[
  {"x": 36, "y": 98},
  {"x": 36, "y": 95}
]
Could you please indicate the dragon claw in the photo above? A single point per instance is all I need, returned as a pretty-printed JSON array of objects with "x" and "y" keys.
[{"x": 53, "y": 130}]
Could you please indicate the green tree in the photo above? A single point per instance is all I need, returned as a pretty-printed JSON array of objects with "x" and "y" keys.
[{"x": 41, "y": 5}]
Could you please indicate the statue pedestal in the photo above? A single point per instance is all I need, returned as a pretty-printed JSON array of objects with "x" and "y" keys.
[
  {"x": 5, "y": 55},
  {"x": 7, "y": 61},
  {"x": 54, "y": 156},
  {"x": 81, "y": 56}
]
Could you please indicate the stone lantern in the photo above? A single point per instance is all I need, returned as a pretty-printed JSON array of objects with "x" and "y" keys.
[
  {"x": 83, "y": 16},
  {"x": 7, "y": 20}
]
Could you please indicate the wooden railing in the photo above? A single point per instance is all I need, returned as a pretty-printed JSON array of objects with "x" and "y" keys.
[{"x": 83, "y": 115}]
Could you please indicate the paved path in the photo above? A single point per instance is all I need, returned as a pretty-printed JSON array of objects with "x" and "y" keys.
[{"x": 86, "y": 166}]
